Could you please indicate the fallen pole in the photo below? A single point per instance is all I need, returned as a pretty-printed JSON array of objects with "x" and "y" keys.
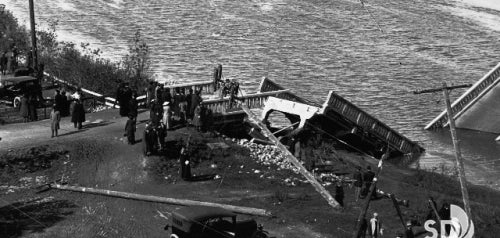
[
  {"x": 151, "y": 198},
  {"x": 319, "y": 188}
]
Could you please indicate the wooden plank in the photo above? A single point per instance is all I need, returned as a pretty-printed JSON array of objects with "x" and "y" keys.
[
  {"x": 175, "y": 201},
  {"x": 319, "y": 188}
]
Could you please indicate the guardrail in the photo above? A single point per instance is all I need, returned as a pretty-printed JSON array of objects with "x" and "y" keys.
[
  {"x": 266, "y": 85},
  {"x": 256, "y": 100},
  {"x": 472, "y": 95}
]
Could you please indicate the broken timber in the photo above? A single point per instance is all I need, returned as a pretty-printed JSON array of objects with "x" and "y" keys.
[
  {"x": 174, "y": 201},
  {"x": 319, "y": 188}
]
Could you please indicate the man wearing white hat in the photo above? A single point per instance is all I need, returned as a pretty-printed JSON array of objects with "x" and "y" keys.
[
  {"x": 167, "y": 115},
  {"x": 375, "y": 227}
]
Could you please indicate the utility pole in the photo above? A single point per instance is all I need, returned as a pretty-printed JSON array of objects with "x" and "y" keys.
[
  {"x": 33, "y": 36},
  {"x": 362, "y": 215},
  {"x": 458, "y": 154}
]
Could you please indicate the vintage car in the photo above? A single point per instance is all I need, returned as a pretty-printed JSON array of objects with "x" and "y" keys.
[
  {"x": 211, "y": 222},
  {"x": 13, "y": 88}
]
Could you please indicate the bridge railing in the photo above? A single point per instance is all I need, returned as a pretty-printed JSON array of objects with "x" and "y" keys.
[
  {"x": 266, "y": 85},
  {"x": 256, "y": 100},
  {"x": 474, "y": 93},
  {"x": 369, "y": 123}
]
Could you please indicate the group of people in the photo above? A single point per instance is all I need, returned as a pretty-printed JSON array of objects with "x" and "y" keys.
[
  {"x": 363, "y": 182},
  {"x": 179, "y": 105},
  {"x": 61, "y": 108},
  {"x": 169, "y": 109},
  {"x": 28, "y": 107}
]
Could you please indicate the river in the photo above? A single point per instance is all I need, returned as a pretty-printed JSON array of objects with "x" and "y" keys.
[{"x": 374, "y": 55}]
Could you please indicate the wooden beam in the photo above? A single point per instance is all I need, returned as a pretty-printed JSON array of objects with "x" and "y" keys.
[
  {"x": 151, "y": 198},
  {"x": 319, "y": 188}
]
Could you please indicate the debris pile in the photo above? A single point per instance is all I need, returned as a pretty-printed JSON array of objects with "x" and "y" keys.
[
  {"x": 267, "y": 155},
  {"x": 271, "y": 155}
]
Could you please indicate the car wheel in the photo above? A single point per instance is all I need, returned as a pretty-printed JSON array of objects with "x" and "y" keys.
[
  {"x": 174, "y": 236},
  {"x": 16, "y": 102}
]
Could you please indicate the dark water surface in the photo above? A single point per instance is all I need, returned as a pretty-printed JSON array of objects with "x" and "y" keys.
[{"x": 313, "y": 46}]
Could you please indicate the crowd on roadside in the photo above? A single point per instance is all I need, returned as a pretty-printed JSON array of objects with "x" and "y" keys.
[{"x": 168, "y": 110}]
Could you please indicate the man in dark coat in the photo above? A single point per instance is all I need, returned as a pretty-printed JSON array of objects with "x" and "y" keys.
[
  {"x": 155, "y": 113},
  {"x": 58, "y": 99},
  {"x": 150, "y": 93},
  {"x": 368, "y": 178},
  {"x": 119, "y": 96},
  {"x": 409, "y": 231},
  {"x": 445, "y": 214},
  {"x": 65, "y": 103},
  {"x": 130, "y": 130},
  {"x": 78, "y": 115},
  {"x": 133, "y": 106},
  {"x": 3, "y": 63},
  {"x": 24, "y": 108},
  {"x": 32, "y": 105},
  {"x": 339, "y": 193},
  {"x": 148, "y": 139},
  {"x": 189, "y": 101},
  {"x": 196, "y": 99},
  {"x": 167, "y": 96},
  {"x": 358, "y": 184},
  {"x": 177, "y": 100},
  {"x": 125, "y": 99}
]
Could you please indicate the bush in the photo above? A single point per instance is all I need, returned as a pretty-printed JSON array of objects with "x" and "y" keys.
[{"x": 80, "y": 65}]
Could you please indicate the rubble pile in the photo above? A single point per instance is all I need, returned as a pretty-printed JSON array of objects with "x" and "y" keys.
[
  {"x": 267, "y": 155},
  {"x": 271, "y": 155}
]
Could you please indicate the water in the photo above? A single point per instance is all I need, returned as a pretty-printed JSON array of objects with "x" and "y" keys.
[{"x": 313, "y": 46}]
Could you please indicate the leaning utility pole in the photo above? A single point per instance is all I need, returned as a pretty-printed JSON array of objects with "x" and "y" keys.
[
  {"x": 33, "y": 36},
  {"x": 359, "y": 223},
  {"x": 458, "y": 155}
]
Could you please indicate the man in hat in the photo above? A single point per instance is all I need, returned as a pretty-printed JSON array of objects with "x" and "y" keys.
[
  {"x": 368, "y": 179},
  {"x": 358, "y": 184},
  {"x": 375, "y": 227},
  {"x": 167, "y": 115},
  {"x": 409, "y": 231}
]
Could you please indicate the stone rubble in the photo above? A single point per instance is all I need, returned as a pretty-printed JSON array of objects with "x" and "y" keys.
[{"x": 270, "y": 155}]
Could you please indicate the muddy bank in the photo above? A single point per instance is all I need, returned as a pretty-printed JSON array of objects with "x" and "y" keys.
[{"x": 247, "y": 176}]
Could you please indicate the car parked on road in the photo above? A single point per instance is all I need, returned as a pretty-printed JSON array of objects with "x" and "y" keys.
[
  {"x": 13, "y": 88},
  {"x": 211, "y": 222}
]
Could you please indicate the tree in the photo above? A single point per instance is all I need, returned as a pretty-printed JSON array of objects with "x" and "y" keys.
[{"x": 137, "y": 62}]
